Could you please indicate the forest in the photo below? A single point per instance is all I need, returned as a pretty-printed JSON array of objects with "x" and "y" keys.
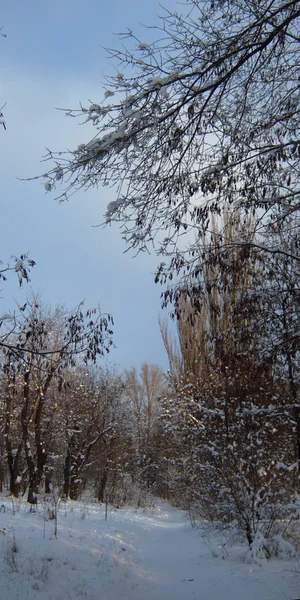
[{"x": 198, "y": 136}]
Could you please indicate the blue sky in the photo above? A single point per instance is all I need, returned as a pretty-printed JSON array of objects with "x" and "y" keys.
[{"x": 53, "y": 56}]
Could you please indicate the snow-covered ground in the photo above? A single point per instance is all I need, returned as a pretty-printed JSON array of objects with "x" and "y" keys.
[{"x": 151, "y": 554}]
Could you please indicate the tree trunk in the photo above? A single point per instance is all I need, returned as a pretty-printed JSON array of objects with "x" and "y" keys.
[
  {"x": 35, "y": 474},
  {"x": 67, "y": 474},
  {"x": 47, "y": 484},
  {"x": 14, "y": 484},
  {"x": 102, "y": 486},
  {"x": 75, "y": 485},
  {"x": 32, "y": 492}
]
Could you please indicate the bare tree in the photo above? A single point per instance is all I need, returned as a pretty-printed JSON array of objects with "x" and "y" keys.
[
  {"x": 230, "y": 395},
  {"x": 35, "y": 357},
  {"x": 19, "y": 266},
  {"x": 144, "y": 390},
  {"x": 205, "y": 116},
  {"x": 91, "y": 418}
]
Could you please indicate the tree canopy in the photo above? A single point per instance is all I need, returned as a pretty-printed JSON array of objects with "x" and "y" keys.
[{"x": 204, "y": 118}]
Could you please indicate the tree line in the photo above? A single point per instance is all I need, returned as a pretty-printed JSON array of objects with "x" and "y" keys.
[
  {"x": 69, "y": 422},
  {"x": 198, "y": 132}
]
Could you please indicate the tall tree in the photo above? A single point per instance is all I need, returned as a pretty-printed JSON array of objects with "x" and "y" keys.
[
  {"x": 144, "y": 390},
  {"x": 230, "y": 398}
]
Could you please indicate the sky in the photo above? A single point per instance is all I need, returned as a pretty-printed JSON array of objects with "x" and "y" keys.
[{"x": 53, "y": 56}]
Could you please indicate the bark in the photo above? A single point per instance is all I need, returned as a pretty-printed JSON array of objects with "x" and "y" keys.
[
  {"x": 67, "y": 474},
  {"x": 102, "y": 486}
]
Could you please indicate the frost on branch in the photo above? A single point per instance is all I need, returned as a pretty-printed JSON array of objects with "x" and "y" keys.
[
  {"x": 20, "y": 265},
  {"x": 80, "y": 334},
  {"x": 204, "y": 118}
]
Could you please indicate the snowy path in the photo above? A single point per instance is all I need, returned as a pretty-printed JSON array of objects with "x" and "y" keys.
[
  {"x": 176, "y": 564},
  {"x": 134, "y": 555}
]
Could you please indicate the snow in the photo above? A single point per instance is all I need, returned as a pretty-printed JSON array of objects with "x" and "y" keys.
[
  {"x": 112, "y": 206},
  {"x": 94, "y": 107},
  {"x": 59, "y": 173},
  {"x": 19, "y": 265},
  {"x": 151, "y": 554}
]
